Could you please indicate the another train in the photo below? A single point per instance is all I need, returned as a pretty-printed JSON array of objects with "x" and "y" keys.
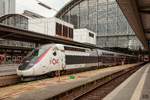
[
  {"x": 7, "y": 59},
  {"x": 58, "y": 57},
  {"x": 146, "y": 58}
]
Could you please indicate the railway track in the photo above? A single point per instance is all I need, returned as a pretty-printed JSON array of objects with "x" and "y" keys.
[
  {"x": 9, "y": 80},
  {"x": 14, "y": 79},
  {"x": 97, "y": 89}
]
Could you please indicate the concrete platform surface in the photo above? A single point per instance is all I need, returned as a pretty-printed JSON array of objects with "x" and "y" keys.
[
  {"x": 8, "y": 69},
  {"x": 43, "y": 89},
  {"x": 136, "y": 87}
]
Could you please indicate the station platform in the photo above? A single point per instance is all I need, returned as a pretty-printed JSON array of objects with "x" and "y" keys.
[
  {"x": 47, "y": 88},
  {"x": 8, "y": 69},
  {"x": 136, "y": 87}
]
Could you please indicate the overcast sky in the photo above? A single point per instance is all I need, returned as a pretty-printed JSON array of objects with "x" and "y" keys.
[{"x": 32, "y": 5}]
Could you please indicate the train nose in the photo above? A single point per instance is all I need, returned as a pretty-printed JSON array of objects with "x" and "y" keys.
[
  {"x": 25, "y": 66},
  {"x": 28, "y": 72}
]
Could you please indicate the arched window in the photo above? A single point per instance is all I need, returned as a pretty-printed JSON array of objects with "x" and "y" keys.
[{"x": 15, "y": 20}]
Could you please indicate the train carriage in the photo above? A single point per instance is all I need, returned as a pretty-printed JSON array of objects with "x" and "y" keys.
[{"x": 77, "y": 57}]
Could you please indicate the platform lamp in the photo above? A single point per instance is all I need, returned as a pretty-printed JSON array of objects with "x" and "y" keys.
[{"x": 46, "y": 6}]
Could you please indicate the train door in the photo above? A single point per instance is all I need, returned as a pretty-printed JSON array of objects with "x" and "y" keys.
[
  {"x": 100, "y": 58},
  {"x": 62, "y": 57}
]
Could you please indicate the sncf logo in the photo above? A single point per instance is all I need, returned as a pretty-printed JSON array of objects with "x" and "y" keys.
[{"x": 54, "y": 61}]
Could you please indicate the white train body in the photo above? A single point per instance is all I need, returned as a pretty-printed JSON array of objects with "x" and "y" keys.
[{"x": 54, "y": 57}]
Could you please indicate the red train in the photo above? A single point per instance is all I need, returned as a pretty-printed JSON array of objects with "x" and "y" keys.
[{"x": 7, "y": 59}]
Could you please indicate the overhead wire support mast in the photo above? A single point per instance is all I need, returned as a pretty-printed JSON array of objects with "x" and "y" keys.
[{"x": 46, "y": 6}]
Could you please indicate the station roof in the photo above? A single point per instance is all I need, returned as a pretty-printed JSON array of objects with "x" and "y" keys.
[
  {"x": 15, "y": 48},
  {"x": 67, "y": 7},
  {"x": 7, "y": 32},
  {"x": 11, "y": 15},
  {"x": 137, "y": 13}
]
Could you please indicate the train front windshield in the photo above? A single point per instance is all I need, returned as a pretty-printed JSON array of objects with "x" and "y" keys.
[{"x": 32, "y": 58}]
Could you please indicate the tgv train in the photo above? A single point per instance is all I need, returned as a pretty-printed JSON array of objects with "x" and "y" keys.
[{"x": 53, "y": 57}]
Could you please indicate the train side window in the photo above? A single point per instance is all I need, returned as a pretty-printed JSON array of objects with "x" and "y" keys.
[{"x": 55, "y": 53}]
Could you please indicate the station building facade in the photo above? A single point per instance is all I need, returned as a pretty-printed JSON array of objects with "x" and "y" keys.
[
  {"x": 12, "y": 51},
  {"x": 17, "y": 21},
  {"x": 105, "y": 18}
]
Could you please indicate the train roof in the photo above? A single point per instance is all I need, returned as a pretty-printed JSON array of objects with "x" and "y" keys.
[{"x": 61, "y": 46}]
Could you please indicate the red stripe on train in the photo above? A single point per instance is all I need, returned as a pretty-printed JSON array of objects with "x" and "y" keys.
[{"x": 42, "y": 56}]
